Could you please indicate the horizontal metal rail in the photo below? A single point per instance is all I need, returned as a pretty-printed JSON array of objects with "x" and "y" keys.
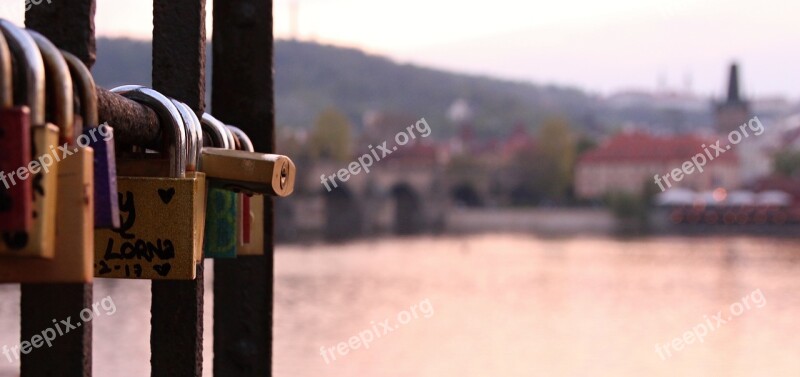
[{"x": 133, "y": 123}]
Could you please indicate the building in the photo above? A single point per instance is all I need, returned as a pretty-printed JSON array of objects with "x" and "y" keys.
[
  {"x": 734, "y": 111},
  {"x": 755, "y": 152},
  {"x": 628, "y": 162}
]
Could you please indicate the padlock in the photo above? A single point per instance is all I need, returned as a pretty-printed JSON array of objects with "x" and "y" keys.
[
  {"x": 101, "y": 140},
  {"x": 194, "y": 134},
  {"x": 162, "y": 217},
  {"x": 194, "y": 142},
  {"x": 232, "y": 140},
  {"x": 248, "y": 172},
  {"x": 42, "y": 169},
  {"x": 16, "y": 201},
  {"x": 216, "y": 130},
  {"x": 251, "y": 209},
  {"x": 253, "y": 173},
  {"x": 74, "y": 254},
  {"x": 222, "y": 213}
]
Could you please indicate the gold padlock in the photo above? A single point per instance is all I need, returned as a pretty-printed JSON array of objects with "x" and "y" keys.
[
  {"x": 74, "y": 213},
  {"x": 251, "y": 209},
  {"x": 162, "y": 217},
  {"x": 252, "y": 173},
  {"x": 43, "y": 168}
]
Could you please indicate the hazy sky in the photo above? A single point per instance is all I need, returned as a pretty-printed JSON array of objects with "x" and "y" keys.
[{"x": 600, "y": 46}]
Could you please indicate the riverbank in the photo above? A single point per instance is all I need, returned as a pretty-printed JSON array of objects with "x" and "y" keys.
[
  {"x": 539, "y": 221},
  {"x": 560, "y": 222}
]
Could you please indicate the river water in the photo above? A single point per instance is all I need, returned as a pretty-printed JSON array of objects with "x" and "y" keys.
[{"x": 502, "y": 305}]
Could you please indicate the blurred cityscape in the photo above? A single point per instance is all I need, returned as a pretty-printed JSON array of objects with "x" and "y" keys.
[
  {"x": 590, "y": 166},
  {"x": 569, "y": 222},
  {"x": 510, "y": 155}
]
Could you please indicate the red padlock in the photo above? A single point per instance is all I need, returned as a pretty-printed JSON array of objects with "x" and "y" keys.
[
  {"x": 251, "y": 208},
  {"x": 16, "y": 194}
]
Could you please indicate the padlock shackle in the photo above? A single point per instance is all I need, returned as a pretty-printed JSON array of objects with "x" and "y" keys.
[
  {"x": 87, "y": 90},
  {"x": 244, "y": 140},
  {"x": 237, "y": 145},
  {"x": 217, "y": 131},
  {"x": 231, "y": 138},
  {"x": 29, "y": 60},
  {"x": 58, "y": 76},
  {"x": 170, "y": 119},
  {"x": 194, "y": 135},
  {"x": 6, "y": 75}
]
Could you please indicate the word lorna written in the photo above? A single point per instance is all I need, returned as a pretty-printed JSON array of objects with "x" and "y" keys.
[
  {"x": 701, "y": 159},
  {"x": 365, "y": 162},
  {"x": 131, "y": 248}
]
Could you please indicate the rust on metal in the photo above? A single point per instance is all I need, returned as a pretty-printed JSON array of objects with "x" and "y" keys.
[
  {"x": 133, "y": 123},
  {"x": 243, "y": 95},
  {"x": 70, "y": 25},
  {"x": 176, "y": 337}
]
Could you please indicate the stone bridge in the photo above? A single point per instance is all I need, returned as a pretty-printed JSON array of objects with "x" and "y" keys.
[{"x": 395, "y": 197}]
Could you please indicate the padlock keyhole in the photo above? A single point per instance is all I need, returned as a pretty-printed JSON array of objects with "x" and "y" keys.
[{"x": 284, "y": 175}]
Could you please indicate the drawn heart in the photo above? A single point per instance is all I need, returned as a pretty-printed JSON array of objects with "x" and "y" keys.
[
  {"x": 16, "y": 240},
  {"x": 163, "y": 269},
  {"x": 166, "y": 195}
]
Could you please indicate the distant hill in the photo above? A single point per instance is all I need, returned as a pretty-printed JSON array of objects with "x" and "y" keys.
[{"x": 310, "y": 77}]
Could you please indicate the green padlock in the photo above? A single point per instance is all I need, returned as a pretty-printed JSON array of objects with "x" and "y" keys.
[{"x": 222, "y": 209}]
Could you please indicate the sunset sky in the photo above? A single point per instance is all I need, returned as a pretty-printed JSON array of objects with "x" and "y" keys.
[{"x": 601, "y": 46}]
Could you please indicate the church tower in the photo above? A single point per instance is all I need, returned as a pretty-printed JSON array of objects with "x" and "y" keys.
[{"x": 734, "y": 111}]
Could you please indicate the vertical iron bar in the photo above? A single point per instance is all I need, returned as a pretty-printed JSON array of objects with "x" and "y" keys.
[
  {"x": 243, "y": 95},
  {"x": 71, "y": 27},
  {"x": 179, "y": 45}
]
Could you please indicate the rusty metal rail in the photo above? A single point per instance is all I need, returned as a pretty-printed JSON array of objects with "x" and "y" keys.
[
  {"x": 133, "y": 123},
  {"x": 243, "y": 94},
  {"x": 179, "y": 55}
]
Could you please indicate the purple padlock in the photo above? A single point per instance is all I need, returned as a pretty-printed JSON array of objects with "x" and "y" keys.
[{"x": 101, "y": 139}]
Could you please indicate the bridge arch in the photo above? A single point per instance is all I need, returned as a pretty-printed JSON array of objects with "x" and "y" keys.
[
  {"x": 467, "y": 195},
  {"x": 343, "y": 217},
  {"x": 409, "y": 217}
]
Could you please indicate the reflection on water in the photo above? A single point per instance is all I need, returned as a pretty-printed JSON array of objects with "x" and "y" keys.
[
  {"x": 500, "y": 306},
  {"x": 518, "y": 306}
]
